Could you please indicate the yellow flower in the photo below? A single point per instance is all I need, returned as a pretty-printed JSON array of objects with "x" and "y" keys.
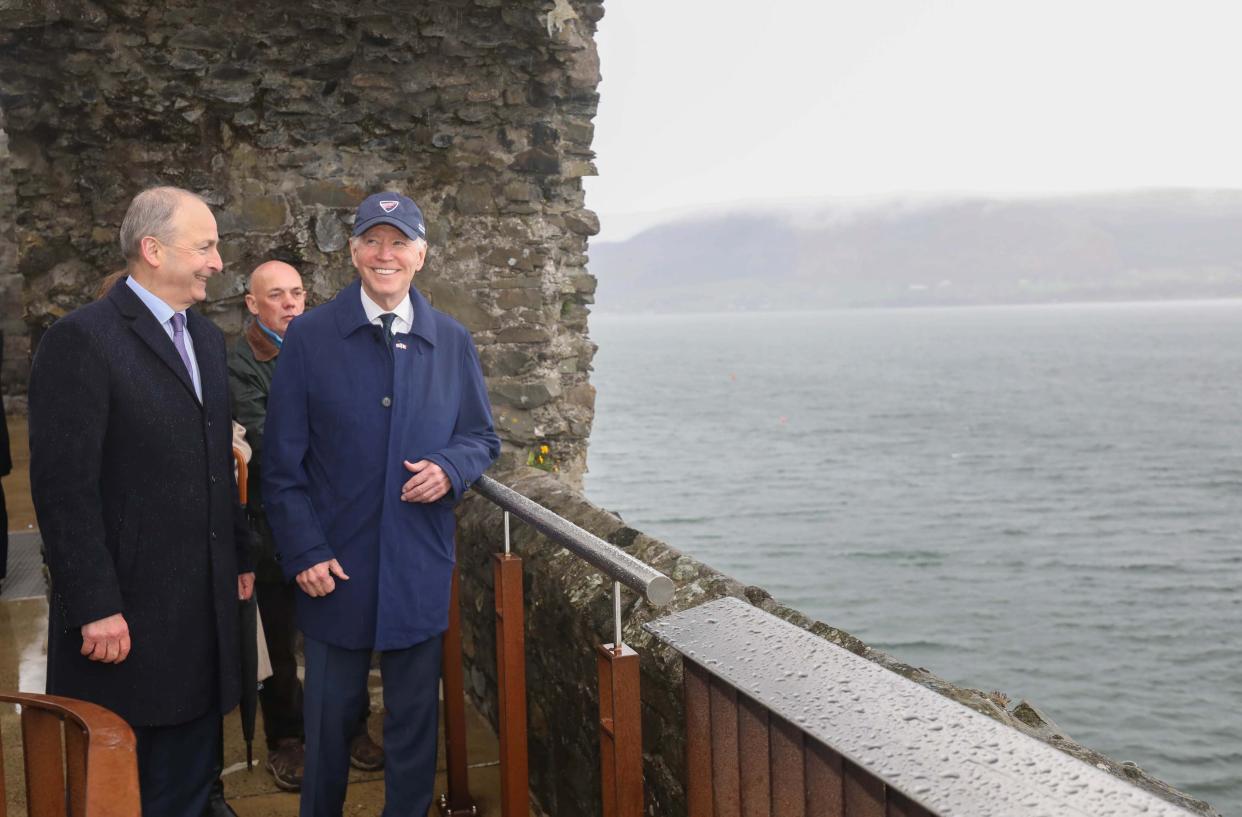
[{"x": 543, "y": 449}]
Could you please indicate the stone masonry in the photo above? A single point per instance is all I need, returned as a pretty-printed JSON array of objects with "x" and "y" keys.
[{"x": 283, "y": 116}]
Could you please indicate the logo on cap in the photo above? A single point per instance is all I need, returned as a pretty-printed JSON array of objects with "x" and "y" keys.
[{"x": 389, "y": 206}]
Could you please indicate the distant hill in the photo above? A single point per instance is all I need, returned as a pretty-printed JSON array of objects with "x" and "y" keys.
[{"x": 1133, "y": 246}]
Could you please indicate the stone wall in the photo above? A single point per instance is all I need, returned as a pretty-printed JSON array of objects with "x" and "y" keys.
[
  {"x": 13, "y": 366},
  {"x": 283, "y": 116},
  {"x": 569, "y": 610}
]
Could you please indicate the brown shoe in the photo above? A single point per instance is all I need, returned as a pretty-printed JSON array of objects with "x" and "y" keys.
[
  {"x": 285, "y": 762},
  {"x": 365, "y": 754}
]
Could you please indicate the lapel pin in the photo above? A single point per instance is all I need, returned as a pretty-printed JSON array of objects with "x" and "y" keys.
[{"x": 400, "y": 345}]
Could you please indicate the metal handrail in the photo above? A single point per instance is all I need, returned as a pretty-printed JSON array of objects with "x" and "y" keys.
[{"x": 610, "y": 560}]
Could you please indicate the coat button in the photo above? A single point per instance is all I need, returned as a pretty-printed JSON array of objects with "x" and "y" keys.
[
  {"x": 213, "y": 534},
  {"x": 213, "y": 479},
  {"x": 386, "y": 402}
]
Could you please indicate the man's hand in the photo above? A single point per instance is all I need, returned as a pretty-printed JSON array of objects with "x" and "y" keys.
[
  {"x": 245, "y": 586},
  {"x": 106, "y": 640},
  {"x": 317, "y": 580},
  {"x": 428, "y": 484}
]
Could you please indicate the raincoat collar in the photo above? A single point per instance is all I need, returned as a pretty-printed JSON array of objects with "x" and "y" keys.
[{"x": 350, "y": 316}]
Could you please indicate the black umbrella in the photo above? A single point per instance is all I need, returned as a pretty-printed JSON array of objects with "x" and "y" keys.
[{"x": 249, "y": 621}]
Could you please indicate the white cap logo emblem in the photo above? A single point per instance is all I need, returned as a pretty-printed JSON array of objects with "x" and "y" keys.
[{"x": 388, "y": 206}]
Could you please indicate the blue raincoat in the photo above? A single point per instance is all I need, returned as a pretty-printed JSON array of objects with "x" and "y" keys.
[{"x": 341, "y": 418}]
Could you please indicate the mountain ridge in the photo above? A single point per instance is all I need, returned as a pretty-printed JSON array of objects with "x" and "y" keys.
[{"x": 961, "y": 250}]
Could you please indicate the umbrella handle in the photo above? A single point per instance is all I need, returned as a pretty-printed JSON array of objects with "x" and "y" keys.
[{"x": 242, "y": 475}]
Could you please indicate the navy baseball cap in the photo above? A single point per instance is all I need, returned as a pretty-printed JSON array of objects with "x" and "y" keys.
[{"x": 390, "y": 208}]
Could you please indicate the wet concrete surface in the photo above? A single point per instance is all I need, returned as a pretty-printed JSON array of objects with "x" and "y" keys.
[{"x": 23, "y": 662}]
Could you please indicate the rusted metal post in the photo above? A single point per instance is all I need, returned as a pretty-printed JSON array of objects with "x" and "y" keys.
[
  {"x": 511, "y": 685},
  {"x": 620, "y": 731},
  {"x": 456, "y": 802}
]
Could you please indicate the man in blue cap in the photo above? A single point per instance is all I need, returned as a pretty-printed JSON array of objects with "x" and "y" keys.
[{"x": 378, "y": 421}]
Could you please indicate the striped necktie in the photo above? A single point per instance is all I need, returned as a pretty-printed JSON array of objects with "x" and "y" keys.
[{"x": 178, "y": 325}]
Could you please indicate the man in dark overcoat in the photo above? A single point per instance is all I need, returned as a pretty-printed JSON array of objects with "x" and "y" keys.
[
  {"x": 132, "y": 479},
  {"x": 377, "y": 422}
]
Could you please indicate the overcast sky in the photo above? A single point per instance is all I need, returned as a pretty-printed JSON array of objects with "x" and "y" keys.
[{"x": 709, "y": 102}]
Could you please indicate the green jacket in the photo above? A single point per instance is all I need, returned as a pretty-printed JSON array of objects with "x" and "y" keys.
[{"x": 251, "y": 363}]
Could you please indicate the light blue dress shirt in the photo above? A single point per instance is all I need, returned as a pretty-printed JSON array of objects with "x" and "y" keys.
[{"x": 163, "y": 316}]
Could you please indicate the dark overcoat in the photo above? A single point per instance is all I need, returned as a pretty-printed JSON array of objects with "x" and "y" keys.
[
  {"x": 341, "y": 417},
  {"x": 132, "y": 481}
]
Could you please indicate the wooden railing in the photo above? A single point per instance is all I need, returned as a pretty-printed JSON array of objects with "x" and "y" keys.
[
  {"x": 779, "y": 722},
  {"x": 620, "y": 727},
  {"x": 782, "y": 722},
  {"x": 80, "y": 759}
]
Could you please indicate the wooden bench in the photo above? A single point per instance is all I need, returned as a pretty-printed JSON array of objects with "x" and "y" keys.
[{"x": 80, "y": 759}]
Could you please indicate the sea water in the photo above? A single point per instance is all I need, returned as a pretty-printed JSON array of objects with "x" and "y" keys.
[{"x": 1042, "y": 500}]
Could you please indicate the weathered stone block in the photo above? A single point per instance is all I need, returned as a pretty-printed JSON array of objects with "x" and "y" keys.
[
  {"x": 463, "y": 304},
  {"x": 265, "y": 215},
  {"x": 517, "y": 283},
  {"x": 582, "y": 222},
  {"x": 475, "y": 199},
  {"x": 329, "y": 233},
  {"x": 537, "y": 161},
  {"x": 331, "y": 194},
  {"x": 236, "y": 92},
  {"x": 515, "y": 298},
  {"x": 524, "y": 334},
  {"x": 574, "y": 168},
  {"x": 524, "y": 395},
  {"x": 582, "y": 395},
  {"x": 521, "y": 191},
  {"x": 504, "y": 361}
]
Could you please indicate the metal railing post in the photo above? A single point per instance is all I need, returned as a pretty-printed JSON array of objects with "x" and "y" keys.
[
  {"x": 620, "y": 709},
  {"x": 511, "y": 681},
  {"x": 456, "y": 802},
  {"x": 620, "y": 723}
]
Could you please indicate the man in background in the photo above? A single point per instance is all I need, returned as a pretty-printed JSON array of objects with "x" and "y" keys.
[
  {"x": 275, "y": 297},
  {"x": 131, "y": 472},
  {"x": 377, "y": 423}
]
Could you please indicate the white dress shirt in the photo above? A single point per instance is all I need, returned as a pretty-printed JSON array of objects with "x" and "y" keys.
[{"x": 404, "y": 312}]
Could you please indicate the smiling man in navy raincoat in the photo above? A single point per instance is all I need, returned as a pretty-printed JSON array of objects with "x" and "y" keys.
[{"x": 378, "y": 421}]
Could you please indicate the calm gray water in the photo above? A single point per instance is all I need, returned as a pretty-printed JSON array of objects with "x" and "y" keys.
[{"x": 1040, "y": 500}]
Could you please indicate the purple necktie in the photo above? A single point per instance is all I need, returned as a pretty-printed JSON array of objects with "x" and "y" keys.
[{"x": 178, "y": 322}]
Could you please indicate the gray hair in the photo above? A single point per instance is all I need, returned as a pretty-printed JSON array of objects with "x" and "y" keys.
[{"x": 151, "y": 214}]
